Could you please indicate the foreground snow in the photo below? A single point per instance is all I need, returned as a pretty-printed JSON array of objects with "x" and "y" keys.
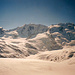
[{"x": 10, "y": 66}]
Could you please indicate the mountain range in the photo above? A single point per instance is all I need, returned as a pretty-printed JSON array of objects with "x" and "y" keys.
[{"x": 35, "y": 39}]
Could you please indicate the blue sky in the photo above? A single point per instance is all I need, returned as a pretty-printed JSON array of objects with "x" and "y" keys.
[{"x": 14, "y": 13}]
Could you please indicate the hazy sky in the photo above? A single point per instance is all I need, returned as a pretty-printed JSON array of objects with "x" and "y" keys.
[{"x": 15, "y": 13}]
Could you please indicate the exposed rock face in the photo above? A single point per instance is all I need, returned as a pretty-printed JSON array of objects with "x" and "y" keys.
[{"x": 1, "y": 31}]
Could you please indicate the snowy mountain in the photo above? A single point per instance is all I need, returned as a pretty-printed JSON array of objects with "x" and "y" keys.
[
  {"x": 31, "y": 39},
  {"x": 63, "y": 33}
]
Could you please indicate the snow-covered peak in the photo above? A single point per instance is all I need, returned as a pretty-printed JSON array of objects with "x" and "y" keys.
[{"x": 28, "y": 30}]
